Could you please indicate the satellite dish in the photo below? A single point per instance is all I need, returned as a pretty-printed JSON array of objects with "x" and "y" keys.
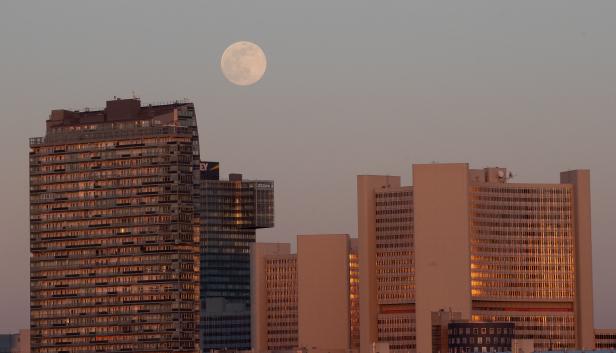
[{"x": 501, "y": 173}]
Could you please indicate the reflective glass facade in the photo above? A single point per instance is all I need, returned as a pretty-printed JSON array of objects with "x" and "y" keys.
[
  {"x": 114, "y": 230},
  {"x": 232, "y": 210},
  {"x": 523, "y": 260}
]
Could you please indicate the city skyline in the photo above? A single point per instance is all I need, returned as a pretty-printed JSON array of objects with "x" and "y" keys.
[{"x": 450, "y": 84}]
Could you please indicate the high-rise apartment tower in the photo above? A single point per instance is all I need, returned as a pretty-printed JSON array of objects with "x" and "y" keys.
[{"x": 114, "y": 230}]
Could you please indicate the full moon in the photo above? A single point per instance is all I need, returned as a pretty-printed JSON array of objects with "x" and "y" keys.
[{"x": 243, "y": 63}]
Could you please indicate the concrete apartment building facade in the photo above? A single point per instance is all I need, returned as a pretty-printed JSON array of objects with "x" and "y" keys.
[
  {"x": 305, "y": 301},
  {"x": 471, "y": 242},
  {"x": 114, "y": 230}
]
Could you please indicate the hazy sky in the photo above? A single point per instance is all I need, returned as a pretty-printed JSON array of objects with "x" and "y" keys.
[{"x": 352, "y": 87}]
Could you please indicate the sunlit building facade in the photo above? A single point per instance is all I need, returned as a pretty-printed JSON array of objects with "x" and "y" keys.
[
  {"x": 231, "y": 212},
  {"x": 273, "y": 297},
  {"x": 354, "y": 292},
  {"x": 473, "y": 242},
  {"x": 307, "y": 300},
  {"x": 115, "y": 231},
  {"x": 386, "y": 255},
  {"x": 605, "y": 338}
]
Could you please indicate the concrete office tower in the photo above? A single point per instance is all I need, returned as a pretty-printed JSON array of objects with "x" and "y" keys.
[
  {"x": 605, "y": 338},
  {"x": 481, "y": 246},
  {"x": 386, "y": 257},
  {"x": 114, "y": 230},
  {"x": 232, "y": 210},
  {"x": 304, "y": 301},
  {"x": 273, "y": 289}
]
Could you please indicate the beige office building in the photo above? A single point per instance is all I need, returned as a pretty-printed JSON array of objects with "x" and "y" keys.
[
  {"x": 306, "y": 300},
  {"x": 605, "y": 338},
  {"x": 469, "y": 241}
]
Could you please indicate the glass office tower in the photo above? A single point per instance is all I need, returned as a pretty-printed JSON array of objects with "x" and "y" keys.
[{"x": 232, "y": 211}]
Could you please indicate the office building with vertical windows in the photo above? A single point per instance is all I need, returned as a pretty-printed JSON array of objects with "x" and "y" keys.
[
  {"x": 231, "y": 212},
  {"x": 605, "y": 338},
  {"x": 114, "y": 230},
  {"x": 306, "y": 301},
  {"x": 472, "y": 242}
]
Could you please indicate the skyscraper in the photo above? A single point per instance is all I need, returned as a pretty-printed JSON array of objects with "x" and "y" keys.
[
  {"x": 231, "y": 211},
  {"x": 470, "y": 241},
  {"x": 114, "y": 230}
]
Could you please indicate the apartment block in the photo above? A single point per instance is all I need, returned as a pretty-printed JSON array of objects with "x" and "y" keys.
[{"x": 114, "y": 230}]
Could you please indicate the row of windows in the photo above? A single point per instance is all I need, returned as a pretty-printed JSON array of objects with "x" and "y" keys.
[
  {"x": 145, "y": 151},
  {"x": 480, "y": 340},
  {"x": 106, "y": 174},
  {"x": 109, "y": 145},
  {"x": 479, "y": 349},
  {"x": 87, "y": 165}
]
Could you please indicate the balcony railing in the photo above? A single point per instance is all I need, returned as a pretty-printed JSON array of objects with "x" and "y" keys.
[{"x": 108, "y": 134}]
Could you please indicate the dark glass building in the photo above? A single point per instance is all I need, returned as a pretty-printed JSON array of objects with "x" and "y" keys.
[
  {"x": 473, "y": 337},
  {"x": 114, "y": 234},
  {"x": 7, "y": 343},
  {"x": 232, "y": 210}
]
